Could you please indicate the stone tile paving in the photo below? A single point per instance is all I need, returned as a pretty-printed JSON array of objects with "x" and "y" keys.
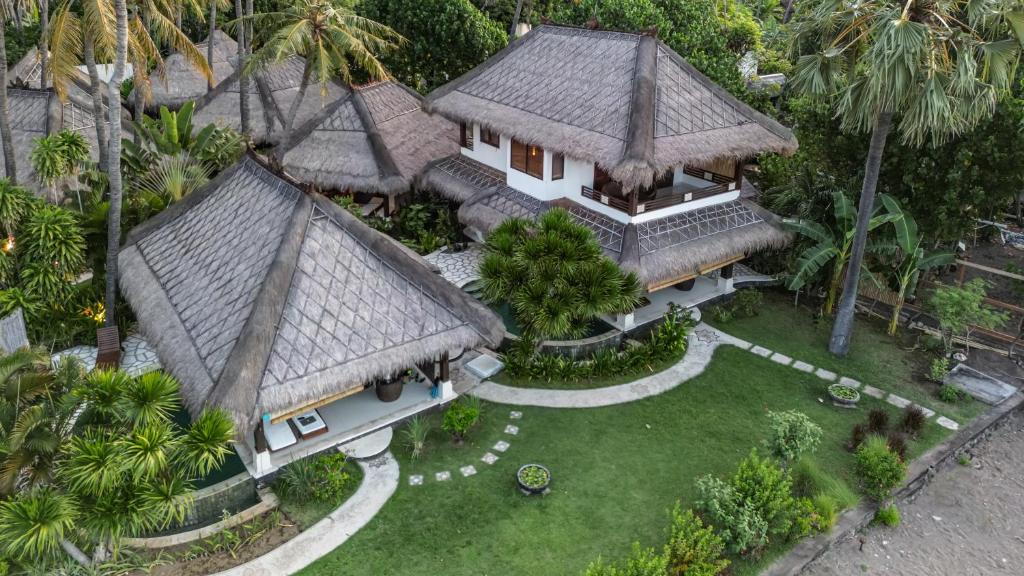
[
  {"x": 897, "y": 401},
  {"x": 825, "y": 374},
  {"x": 947, "y": 423},
  {"x": 416, "y": 480},
  {"x": 760, "y": 351},
  {"x": 781, "y": 359},
  {"x": 468, "y": 470},
  {"x": 501, "y": 446},
  {"x": 849, "y": 382},
  {"x": 515, "y": 415},
  {"x": 138, "y": 356},
  {"x": 874, "y": 392},
  {"x": 803, "y": 366},
  {"x": 489, "y": 458},
  {"x": 443, "y": 476},
  {"x": 459, "y": 268},
  {"x": 86, "y": 354},
  {"x": 512, "y": 429},
  {"x": 928, "y": 413}
]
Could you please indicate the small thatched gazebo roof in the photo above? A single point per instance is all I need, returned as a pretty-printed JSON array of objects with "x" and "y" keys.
[
  {"x": 375, "y": 139},
  {"x": 180, "y": 82},
  {"x": 261, "y": 298},
  {"x": 625, "y": 101},
  {"x": 271, "y": 93}
]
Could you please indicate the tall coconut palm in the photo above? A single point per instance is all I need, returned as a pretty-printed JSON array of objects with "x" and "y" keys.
[
  {"x": 329, "y": 36},
  {"x": 214, "y": 6},
  {"x": 113, "y": 156},
  {"x": 932, "y": 68},
  {"x": 242, "y": 37},
  {"x": 10, "y": 166}
]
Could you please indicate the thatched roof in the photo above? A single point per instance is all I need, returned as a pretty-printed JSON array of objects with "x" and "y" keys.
[
  {"x": 375, "y": 138},
  {"x": 180, "y": 82},
  {"x": 261, "y": 298},
  {"x": 271, "y": 93},
  {"x": 37, "y": 113},
  {"x": 625, "y": 101}
]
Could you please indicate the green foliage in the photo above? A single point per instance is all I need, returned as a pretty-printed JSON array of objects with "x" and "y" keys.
[
  {"x": 938, "y": 369},
  {"x": 879, "y": 468},
  {"x": 913, "y": 420},
  {"x": 888, "y": 516},
  {"x": 58, "y": 156},
  {"x": 963, "y": 459},
  {"x": 744, "y": 304},
  {"x": 960, "y": 309},
  {"x": 951, "y": 394},
  {"x": 33, "y": 524},
  {"x": 693, "y": 548},
  {"x": 415, "y": 435},
  {"x": 459, "y": 418},
  {"x": 641, "y": 562},
  {"x": 320, "y": 478},
  {"x": 878, "y": 421},
  {"x": 810, "y": 481},
  {"x": 533, "y": 476},
  {"x": 427, "y": 223},
  {"x": 20, "y": 40},
  {"x": 554, "y": 275},
  {"x": 446, "y": 38},
  {"x": 792, "y": 434}
]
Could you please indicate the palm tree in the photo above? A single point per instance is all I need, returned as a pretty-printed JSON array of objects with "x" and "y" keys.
[
  {"x": 113, "y": 159},
  {"x": 937, "y": 67},
  {"x": 328, "y": 36},
  {"x": 33, "y": 525},
  {"x": 910, "y": 257},
  {"x": 214, "y": 5},
  {"x": 10, "y": 166},
  {"x": 243, "y": 79},
  {"x": 831, "y": 246}
]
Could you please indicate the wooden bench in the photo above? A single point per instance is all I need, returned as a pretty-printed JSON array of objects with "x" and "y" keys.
[{"x": 108, "y": 345}]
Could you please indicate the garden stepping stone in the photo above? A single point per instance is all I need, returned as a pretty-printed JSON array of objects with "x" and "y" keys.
[
  {"x": 489, "y": 458},
  {"x": 512, "y": 429},
  {"x": 468, "y": 470},
  {"x": 442, "y": 476},
  {"x": 947, "y": 423},
  {"x": 873, "y": 392},
  {"x": 897, "y": 401},
  {"x": 416, "y": 480},
  {"x": 515, "y": 415},
  {"x": 825, "y": 374},
  {"x": 849, "y": 382},
  {"x": 928, "y": 413},
  {"x": 501, "y": 446},
  {"x": 781, "y": 359},
  {"x": 761, "y": 351},
  {"x": 803, "y": 366}
]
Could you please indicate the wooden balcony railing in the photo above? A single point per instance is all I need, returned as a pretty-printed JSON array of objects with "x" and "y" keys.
[{"x": 663, "y": 198}]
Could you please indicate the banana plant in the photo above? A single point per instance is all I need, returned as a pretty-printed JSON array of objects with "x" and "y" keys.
[
  {"x": 909, "y": 258},
  {"x": 833, "y": 246}
]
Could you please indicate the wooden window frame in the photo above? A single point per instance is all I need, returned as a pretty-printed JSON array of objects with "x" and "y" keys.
[
  {"x": 534, "y": 167},
  {"x": 466, "y": 135},
  {"x": 557, "y": 166},
  {"x": 490, "y": 137}
]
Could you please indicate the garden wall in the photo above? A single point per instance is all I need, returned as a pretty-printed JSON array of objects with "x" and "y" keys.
[
  {"x": 575, "y": 349},
  {"x": 234, "y": 494}
]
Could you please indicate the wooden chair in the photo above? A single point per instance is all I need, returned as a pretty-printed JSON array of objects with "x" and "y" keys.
[{"x": 108, "y": 344}]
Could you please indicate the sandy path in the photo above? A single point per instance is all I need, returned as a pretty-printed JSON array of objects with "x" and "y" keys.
[{"x": 969, "y": 521}]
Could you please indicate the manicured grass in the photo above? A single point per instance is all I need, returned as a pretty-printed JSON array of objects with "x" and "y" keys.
[
  {"x": 616, "y": 472},
  {"x": 307, "y": 513},
  {"x": 504, "y": 378},
  {"x": 875, "y": 358}
]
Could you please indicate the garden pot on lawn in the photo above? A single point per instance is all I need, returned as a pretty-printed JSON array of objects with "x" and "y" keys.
[
  {"x": 533, "y": 479},
  {"x": 389, "y": 391},
  {"x": 843, "y": 396}
]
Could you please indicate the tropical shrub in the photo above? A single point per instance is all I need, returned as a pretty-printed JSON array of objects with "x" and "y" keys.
[
  {"x": 415, "y": 435},
  {"x": 959, "y": 309},
  {"x": 693, "y": 548},
  {"x": 459, "y": 418},
  {"x": 641, "y": 562},
  {"x": 58, "y": 156},
  {"x": 897, "y": 442},
  {"x": 827, "y": 510},
  {"x": 879, "y": 469},
  {"x": 878, "y": 421},
  {"x": 939, "y": 369},
  {"x": 740, "y": 527},
  {"x": 792, "y": 434},
  {"x": 888, "y": 516},
  {"x": 913, "y": 420},
  {"x": 554, "y": 276},
  {"x": 810, "y": 481},
  {"x": 744, "y": 304},
  {"x": 950, "y": 394},
  {"x": 320, "y": 478}
]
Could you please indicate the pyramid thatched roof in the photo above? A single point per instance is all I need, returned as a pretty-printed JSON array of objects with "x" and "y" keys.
[
  {"x": 625, "y": 101},
  {"x": 261, "y": 298},
  {"x": 376, "y": 139},
  {"x": 180, "y": 82}
]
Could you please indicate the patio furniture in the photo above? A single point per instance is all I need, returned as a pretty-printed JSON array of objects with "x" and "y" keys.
[
  {"x": 310, "y": 424},
  {"x": 279, "y": 436},
  {"x": 108, "y": 344}
]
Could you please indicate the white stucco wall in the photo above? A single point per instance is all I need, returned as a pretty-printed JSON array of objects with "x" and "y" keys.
[{"x": 484, "y": 153}]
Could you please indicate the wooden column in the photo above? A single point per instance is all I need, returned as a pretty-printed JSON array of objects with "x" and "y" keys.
[
  {"x": 632, "y": 202},
  {"x": 444, "y": 376},
  {"x": 726, "y": 271},
  {"x": 260, "y": 438}
]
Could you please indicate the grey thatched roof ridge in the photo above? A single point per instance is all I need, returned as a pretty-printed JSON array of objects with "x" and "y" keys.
[
  {"x": 264, "y": 352},
  {"x": 179, "y": 82},
  {"x": 624, "y": 101}
]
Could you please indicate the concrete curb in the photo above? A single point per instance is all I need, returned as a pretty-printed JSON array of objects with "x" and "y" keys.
[
  {"x": 268, "y": 501},
  {"x": 920, "y": 474}
]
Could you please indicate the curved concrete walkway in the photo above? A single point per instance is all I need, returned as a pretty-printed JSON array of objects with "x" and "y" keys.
[
  {"x": 380, "y": 480},
  {"x": 702, "y": 344}
]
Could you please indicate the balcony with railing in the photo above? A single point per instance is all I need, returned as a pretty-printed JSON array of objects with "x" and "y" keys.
[{"x": 662, "y": 197}]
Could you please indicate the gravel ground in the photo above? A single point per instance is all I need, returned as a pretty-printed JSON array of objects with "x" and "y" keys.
[{"x": 969, "y": 521}]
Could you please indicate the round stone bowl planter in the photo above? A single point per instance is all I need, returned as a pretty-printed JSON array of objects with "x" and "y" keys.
[
  {"x": 844, "y": 396},
  {"x": 389, "y": 391},
  {"x": 533, "y": 479}
]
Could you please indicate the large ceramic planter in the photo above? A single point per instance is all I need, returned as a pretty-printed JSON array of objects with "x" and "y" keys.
[
  {"x": 685, "y": 285},
  {"x": 533, "y": 479},
  {"x": 389, "y": 391},
  {"x": 844, "y": 396}
]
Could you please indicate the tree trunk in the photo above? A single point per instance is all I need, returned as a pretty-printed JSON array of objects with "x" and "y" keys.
[
  {"x": 75, "y": 552},
  {"x": 10, "y": 166},
  {"x": 19, "y": 17},
  {"x": 894, "y": 322},
  {"x": 833, "y": 287},
  {"x": 842, "y": 330},
  {"x": 243, "y": 79},
  {"x": 95, "y": 90},
  {"x": 515, "y": 20},
  {"x": 293, "y": 111},
  {"x": 114, "y": 163},
  {"x": 44, "y": 49},
  {"x": 209, "y": 40},
  {"x": 789, "y": 11}
]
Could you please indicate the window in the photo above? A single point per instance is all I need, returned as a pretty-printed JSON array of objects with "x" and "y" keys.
[
  {"x": 557, "y": 166},
  {"x": 529, "y": 159},
  {"x": 466, "y": 135},
  {"x": 491, "y": 137}
]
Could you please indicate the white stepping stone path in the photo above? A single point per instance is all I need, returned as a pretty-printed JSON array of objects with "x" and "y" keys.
[
  {"x": 512, "y": 429},
  {"x": 897, "y": 401},
  {"x": 761, "y": 351},
  {"x": 443, "y": 476},
  {"x": 849, "y": 382},
  {"x": 489, "y": 458},
  {"x": 928, "y": 413},
  {"x": 825, "y": 374},
  {"x": 515, "y": 415},
  {"x": 468, "y": 470},
  {"x": 803, "y": 366},
  {"x": 873, "y": 392},
  {"x": 501, "y": 446},
  {"x": 781, "y": 359},
  {"x": 416, "y": 480},
  {"x": 947, "y": 423}
]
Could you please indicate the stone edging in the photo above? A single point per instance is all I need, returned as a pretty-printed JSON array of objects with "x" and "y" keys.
[
  {"x": 268, "y": 501},
  {"x": 920, "y": 473}
]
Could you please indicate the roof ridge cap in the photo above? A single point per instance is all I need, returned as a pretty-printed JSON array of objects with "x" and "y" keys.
[
  {"x": 385, "y": 162},
  {"x": 639, "y": 145}
]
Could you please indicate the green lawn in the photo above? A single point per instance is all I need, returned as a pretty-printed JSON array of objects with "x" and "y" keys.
[
  {"x": 875, "y": 358},
  {"x": 616, "y": 473}
]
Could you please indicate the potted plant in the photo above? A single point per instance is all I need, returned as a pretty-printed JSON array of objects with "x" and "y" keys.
[
  {"x": 533, "y": 479},
  {"x": 389, "y": 391},
  {"x": 843, "y": 395}
]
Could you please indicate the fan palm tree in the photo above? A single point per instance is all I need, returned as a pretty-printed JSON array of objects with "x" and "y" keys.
[
  {"x": 832, "y": 246},
  {"x": 330, "y": 36},
  {"x": 933, "y": 68}
]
